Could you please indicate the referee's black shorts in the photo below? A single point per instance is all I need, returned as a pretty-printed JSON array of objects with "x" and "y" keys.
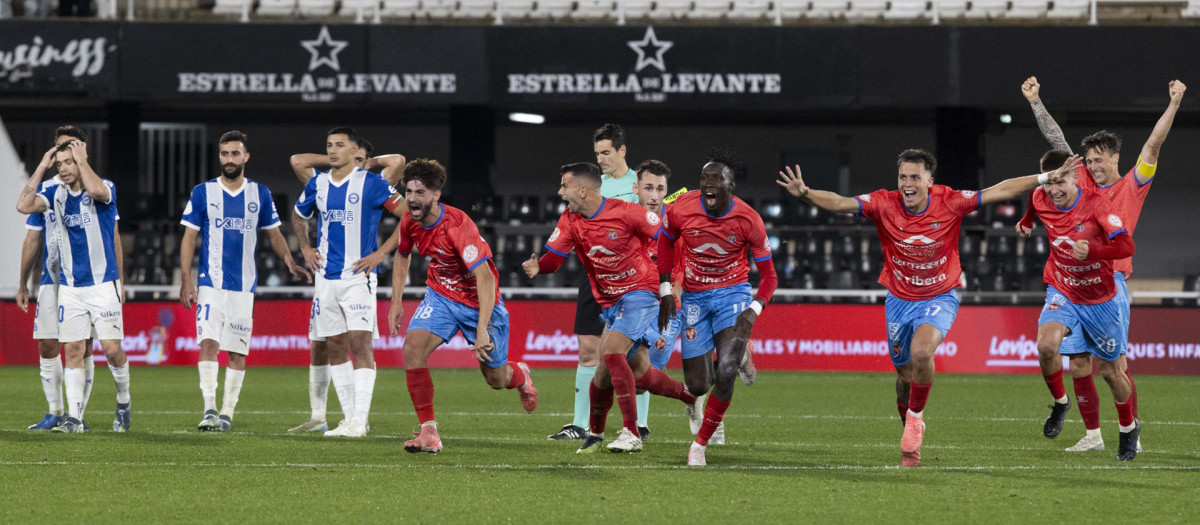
[{"x": 587, "y": 311}]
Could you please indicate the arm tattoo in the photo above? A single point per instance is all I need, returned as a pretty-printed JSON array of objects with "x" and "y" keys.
[
  {"x": 1049, "y": 127},
  {"x": 26, "y": 191}
]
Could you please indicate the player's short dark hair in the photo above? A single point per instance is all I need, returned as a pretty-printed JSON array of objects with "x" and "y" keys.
[
  {"x": 613, "y": 132},
  {"x": 583, "y": 170},
  {"x": 235, "y": 136},
  {"x": 729, "y": 158},
  {"x": 918, "y": 156},
  {"x": 655, "y": 167},
  {"x": 1053, "y": 159},
  {"x": 430, "y": 172},
  {"x": 366, "y": 146},
  {"x": 1103, "y": 141},
  {"x": 352, "y": 135},
  {"x": 63, "y": 147},
  {"x": 71, "y": 131}
]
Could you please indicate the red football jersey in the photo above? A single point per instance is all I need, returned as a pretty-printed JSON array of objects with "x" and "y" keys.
[
  {"x": 454, "y": 248},
  {"x": 714, "y": 248},
  {"x": 1090, "y": 218},
  {"x": 920, "y": 249},
  {"x": 612, "y": 246},
  {"x": 677, "y": 273},
  {"x": 1126, "y": 196}
]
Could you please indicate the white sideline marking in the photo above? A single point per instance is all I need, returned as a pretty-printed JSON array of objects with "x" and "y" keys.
[{"x": 507, "y": 466}]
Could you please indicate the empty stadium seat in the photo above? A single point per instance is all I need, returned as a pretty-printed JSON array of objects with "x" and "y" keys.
[
  {"x": 1070, "y": 9},
  {"x": 232, "y": 7},
  {"x": 349, "y": 8},
  {"x": 793, "y": 8},
  {"x": 708, "y": 9},
  {"x": 437, "y": 8},
  {"x": 276, "y": 7},
  {"x": 637, "y": 9},
  {"x": 950, "y": 8},
  {"x": 750, "y": 9},
  {"x": 400, "y": 8},
  {"x": 671, "y": 8},
  {"x": 861, "y": 9},
  {"x": 827, "y": 9},
  {"x": 906, "y": 10},
  {"x": 515, "y": 8},
  {"x": 594, "y": 9},
  {"x": 1191, "y": 10},
  {"x": 987, "y": 8},
  {"x": 475, "y": 9},
  {"x": 1027, "y": 9},
  {"x": 553, "y": 9},
  {"x": 315, "y": 7}
]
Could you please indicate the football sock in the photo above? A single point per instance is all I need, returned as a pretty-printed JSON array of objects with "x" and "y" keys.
[
  {"x": 518, "y": 377},
  {"x": 601, "y": 400},
  {"x": 903, "y": 409},
  {"x": 208, "y": 383},
  {"x": 364, "y": 390},
  {"x": 1133, "y": 393},
  {"x": 343, "y": 384},
  {"x": 420, "y": 389},
  {"x": 52, "y": 378},
  {"x": 73, "y": 379},
  {"x": 121, "y": 378},
  {"x": 233, "y": 389},
  {"x": 1125, "y": 415},
  {"x": 583, "y": 378},
  {"x": 1055, "y": 383},
  {"x": 714, "y": 413},
  {"x": 623, "y": 387},
  {"x": 643, "y": 407},
  {"x": 659, "y": 383},
  {"x": 318, "y": 390},
  {"x": 1086, "y": 396},
  {"x": 89, "y": 376},
  {"x": 918, "y": 394}
]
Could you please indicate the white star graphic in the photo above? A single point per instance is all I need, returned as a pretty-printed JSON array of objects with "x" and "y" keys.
[
  {"x": 644, "y": 58},
  {"x": 324, "y": 42}
]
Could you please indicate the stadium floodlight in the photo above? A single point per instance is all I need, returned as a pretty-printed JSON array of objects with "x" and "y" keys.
[{"x": 527, "y": 118}]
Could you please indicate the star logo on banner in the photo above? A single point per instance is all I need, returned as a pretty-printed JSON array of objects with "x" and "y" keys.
[
  {"x": 650, "y": 50},
  {"x": 324, "y": 50}
]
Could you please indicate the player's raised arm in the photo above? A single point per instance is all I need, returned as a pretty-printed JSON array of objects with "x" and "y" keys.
[
  {"x": 91, "y": 181},
  {"x": 28, "y": 202},
  {"x": 1150, "y": 151},
  {"x": 303, "y": 165},
  {"x": 1009, "y": 189},
  {"x": 391, "y": 167},
  {"x": 826, "y": 200},
  {"x": 1049, "y": 128}
]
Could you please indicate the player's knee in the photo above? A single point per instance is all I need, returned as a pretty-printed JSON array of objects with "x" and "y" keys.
[
  {"x": 48, "y": 348},
  {"x": 697, "y": 385},
  {"x": 1047, "y": 348},
  {"x": 237, "y": 361}
]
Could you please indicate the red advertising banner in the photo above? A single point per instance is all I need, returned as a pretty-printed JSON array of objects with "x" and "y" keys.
[{"x": 984, "y": 339}]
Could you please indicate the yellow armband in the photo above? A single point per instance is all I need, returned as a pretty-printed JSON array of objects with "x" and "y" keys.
[
  {"x": 671, "y": 198},
  {"x": 1146, "y": 170}
]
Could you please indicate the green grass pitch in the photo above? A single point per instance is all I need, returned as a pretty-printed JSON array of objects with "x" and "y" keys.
[{"x": 801, "y": 446}]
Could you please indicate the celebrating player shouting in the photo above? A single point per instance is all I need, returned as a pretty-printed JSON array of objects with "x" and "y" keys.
[
  {"x": 717, "y": 230},
  {"x": 462, "y": 295},
  {"x": 1086, "y": 235},
  {"x": 918, "y": 228},
  {"x": 610, "y": 237}
]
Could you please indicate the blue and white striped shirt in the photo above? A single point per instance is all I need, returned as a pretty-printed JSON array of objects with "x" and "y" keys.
[
  {"x": 228, "y": 221},
  {"x": 348, "y": 225},
  {"x": 85, "y": 244}
]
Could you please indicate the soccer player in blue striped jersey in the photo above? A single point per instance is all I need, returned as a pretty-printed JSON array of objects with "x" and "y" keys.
[
  {"x": 348, "y": 203},
  {"x": 226, "y": 213},
  {"x": 306, "y": 166},
  {"x": 89, "y": 292}
]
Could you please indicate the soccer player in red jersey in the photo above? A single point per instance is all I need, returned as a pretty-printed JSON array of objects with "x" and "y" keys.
[
  {"x": 918, "y": 227},
  {"x": 610, "y": 237},
  {"x": 1086, "y": 236},
  {"x": 1127, "y": 195},
  {"x": 462, "y": 295},
  {"x": 716, "y": 230}
]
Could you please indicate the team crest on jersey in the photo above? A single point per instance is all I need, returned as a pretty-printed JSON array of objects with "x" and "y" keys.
[
  {"x": 470, "y": 254},
  {"x": 652, "y": 218},
  {"x": 1114, "y": 220},
  {"x": 935, "y": 225},
  {"x": 253, "y": 207},
  {"x": 87, "y": 200},
  {"x": 968, "y": 193},
  {"x": 353, "y": 198},
  {"x": 621, "y": 312},
  {"x": 896, "y": 348},
  {"x": 612, "y": 234},
  {"x": 1079, "y": 227},
  {"x": 732, "y": 238},
  {"x": 660, "y": 343},
  {"x": 553, "y": 236},
  {"x": 865, "y": 197},
  {"x": 690, "y": 333},
  {"x": 693, "y": 314}
]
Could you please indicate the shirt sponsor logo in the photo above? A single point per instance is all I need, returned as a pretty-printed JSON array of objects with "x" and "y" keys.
[
  {"x": 918, "y": 238},
  {"x": 77, "y": 220},
  {"x": 599, "y": 249},
  {"x": 337, "y": 216},
  {"x": 717, "y": 249},
  {"x": 235, "y": 223}
]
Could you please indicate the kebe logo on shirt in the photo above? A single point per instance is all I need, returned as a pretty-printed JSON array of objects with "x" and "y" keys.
[
  {"x": 76, "y": 220},
  {"x": 235, "y": 223},
  {"x": 337, "y": 216}
]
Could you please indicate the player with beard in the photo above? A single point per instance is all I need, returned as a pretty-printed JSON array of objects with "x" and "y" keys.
[
  {"x": 918, "y": 226},
  {"x": 306, "y": 166},
  {"x": 717, "y": 230},
  {"x": 610, "y": 238},
  {"x": 1127, "y": 194},
  {"x": 1086, "y": 236},
  {"x": 462, "y": 294},
  {"x": 226, "y": 213}
]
